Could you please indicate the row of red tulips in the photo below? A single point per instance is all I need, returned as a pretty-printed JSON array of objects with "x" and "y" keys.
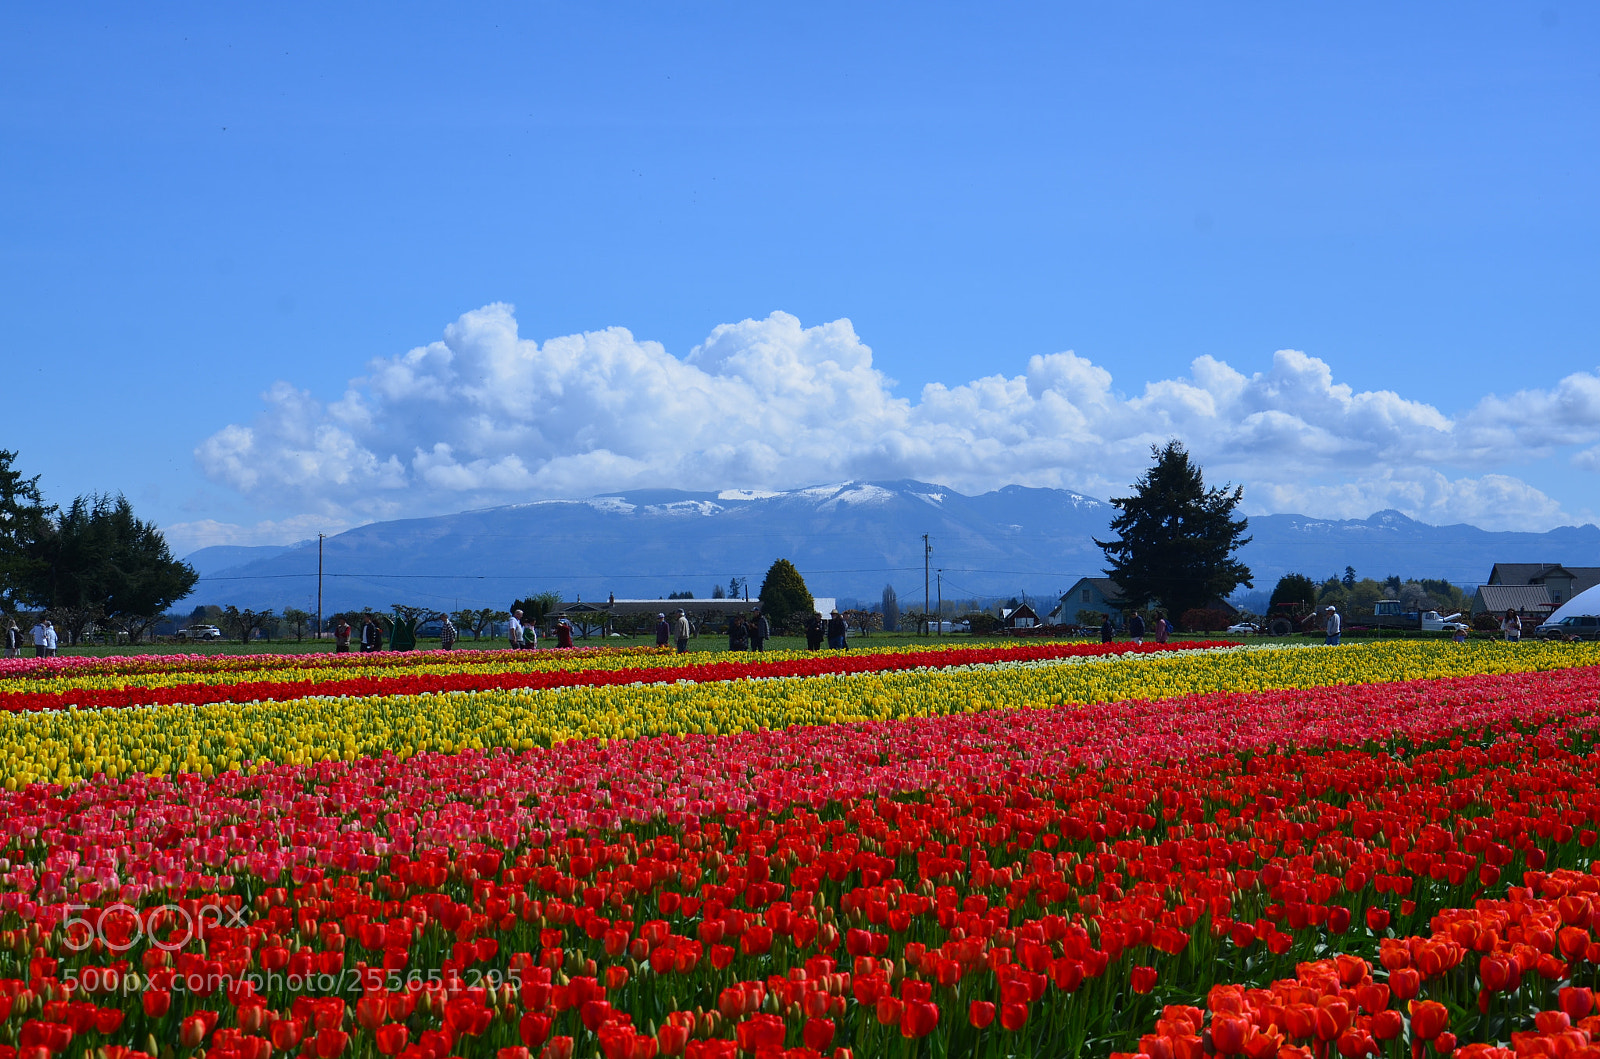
[
  {"x": 725, "y": 668},
  {"x": 1024, "y": 883},
  {"x": 126, "y": 665}
]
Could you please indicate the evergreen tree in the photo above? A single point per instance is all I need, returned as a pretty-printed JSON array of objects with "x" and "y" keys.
[
  {"x": 891, "y": 609},
  {"x": 785, "y": 600},
  {"x": 1176, "y": 538},
  {"x": 1295, "y": 588},
  {"x": 24, "y": 522},
  {"x": 98, "y": 562}
]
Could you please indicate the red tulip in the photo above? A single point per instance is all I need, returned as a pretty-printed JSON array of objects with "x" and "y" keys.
[
  {"x": 156, "y": 1002},
  {"x": 1576, "y": 1001},
  {"x": 1143, "y": 979},
  {"x": 671, "y": 1038},
  {"x": 1229, "y": 1032},
  {"x": 818, "y": 1034},
  {"x": 286, "y": 1033},
  {"x": 1387, "y": 1024},
  {"x": 192, "y": 1031},
  {"x": 331, "y": 1042},
  {"x": 919, "y": 1019},
  {"x": 980, "y": 1013},
  {"x": 1013, "y": 1016},
  {"x": 372, "y": 1011},
  {"x": 391, "y": 1038},
  {"x": 534, "y": 1029},
  {"x": 1428, "y": 1019}
]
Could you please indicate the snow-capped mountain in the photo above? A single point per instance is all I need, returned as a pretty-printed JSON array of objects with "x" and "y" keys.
[{"x": 848, "y": 540}]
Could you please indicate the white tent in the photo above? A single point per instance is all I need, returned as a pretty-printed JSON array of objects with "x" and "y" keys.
[{"x": 1585, "y": 602}]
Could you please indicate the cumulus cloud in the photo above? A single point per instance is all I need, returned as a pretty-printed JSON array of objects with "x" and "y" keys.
[{"x": 484, "y": 416}]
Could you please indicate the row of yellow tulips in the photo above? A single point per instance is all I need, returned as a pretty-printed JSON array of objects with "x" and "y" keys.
[{"x": 63, "y": 746}]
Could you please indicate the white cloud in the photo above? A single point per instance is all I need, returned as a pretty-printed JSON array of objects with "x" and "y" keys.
[{"x": 484, "y": 416}]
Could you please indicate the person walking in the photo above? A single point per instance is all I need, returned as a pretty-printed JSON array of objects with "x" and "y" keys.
[
  {"x": 341, "y": 637},
  {"x": 514, "y": 630},
  {"x": 38, "y": 638},
  {"x": 13, "y": 639},
  {"x": 680, "y": 629},
  {"x": 738, "y": 634},
  {"x": 1332, "y": 627},
  {"x": 371, "y": 636},
  {"x": 837, "y": 632},
  {"x": 563, "y": 633},
  {"x": 447, "y": 632},
  {"x": 813, "y": 627},
  {"x": 1511, "y": 625},
  {"x": 760, "y": 630},
  {"x": 50, "y": 641},
  {"x": 1136, "y": 628},
  {"x": 1162, "y": 628},
  {"x": 1107, "y": 630},
  {"x": 663, "y": 630}
]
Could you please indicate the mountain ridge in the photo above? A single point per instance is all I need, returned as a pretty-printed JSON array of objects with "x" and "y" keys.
[{"x": 848, "y": 539}]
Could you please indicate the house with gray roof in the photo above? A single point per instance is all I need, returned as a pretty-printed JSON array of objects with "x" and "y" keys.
[{"x": 1557, "y": 583}]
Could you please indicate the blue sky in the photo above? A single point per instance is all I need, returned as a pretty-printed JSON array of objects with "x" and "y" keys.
[{"x": 257, "y": 264}]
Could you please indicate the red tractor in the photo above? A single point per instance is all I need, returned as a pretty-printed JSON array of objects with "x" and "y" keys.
[{"x": 1290, "y": 617}]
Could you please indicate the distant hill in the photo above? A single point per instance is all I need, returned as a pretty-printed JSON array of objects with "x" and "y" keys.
[
  {"x": 220, "y": 557},
  {"x": 1390, "y": 543},
  {"x": 848, "y": 540}
]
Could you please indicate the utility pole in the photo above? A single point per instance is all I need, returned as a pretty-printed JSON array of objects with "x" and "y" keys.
[
  {"x": 941, "y": 601},
  {"x": 927, "y": 550},
  {"x": 319, "y": 586}
]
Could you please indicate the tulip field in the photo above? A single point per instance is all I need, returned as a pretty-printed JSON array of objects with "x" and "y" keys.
[{"x": 1044, "y": 850}]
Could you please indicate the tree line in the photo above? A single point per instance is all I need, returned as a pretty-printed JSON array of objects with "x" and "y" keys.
[{"x": 91, "y": 563}]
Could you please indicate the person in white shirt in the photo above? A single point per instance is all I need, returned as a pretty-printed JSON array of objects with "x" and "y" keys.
[
  {"x": 1511, "y": 625},
  {"x": 50, "y": 640},
  {"x": 1333, "y": 628},
  {"x": 516, "y": 629},
  {"x": 38, "y": 640}
]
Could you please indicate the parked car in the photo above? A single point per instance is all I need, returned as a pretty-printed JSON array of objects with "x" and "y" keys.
[
  {"x": 200, "y": 632},
  {"x": 1572, "y": 627},
  {"x": 1245, "y": 628},
  {"x": 1433, "y": 621}
]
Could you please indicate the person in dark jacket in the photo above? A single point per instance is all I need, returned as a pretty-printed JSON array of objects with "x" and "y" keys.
[
  {"x": 813, "y": 626},
  {"x": 1107, "y": 630},
  {"x": 760, "y": 630},
  {"x": 447, "y": 632},
  {"x": 1136, "y": 627},
  {"x": 13, "y": 639},
  {"x": 663, "y": 630},
  {"x": 371, "y": 635},
  {"x": 341, "y": 637},
  {"x": 836, "y": 632},
  {"x": 738, "y": 634}
]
